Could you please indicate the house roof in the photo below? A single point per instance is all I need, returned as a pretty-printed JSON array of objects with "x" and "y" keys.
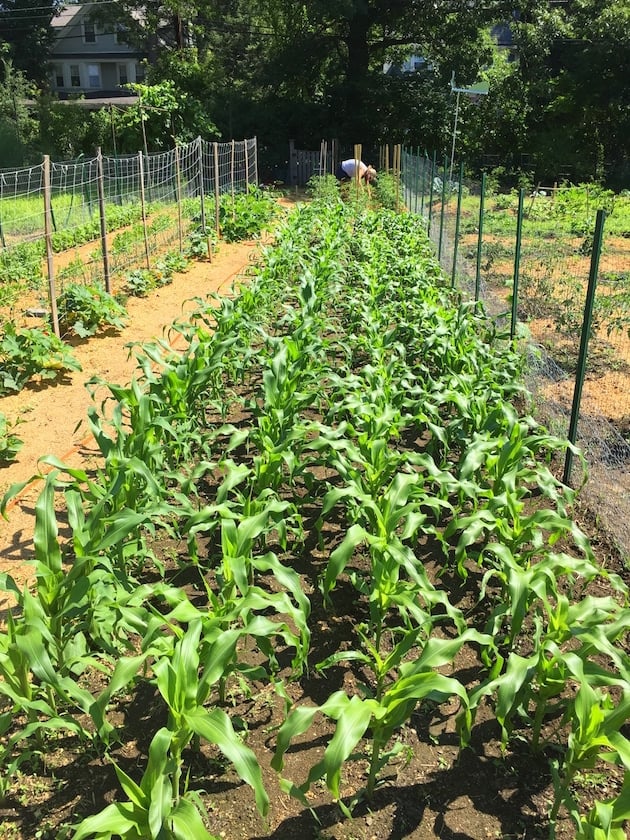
[{"x": 66, "y": 15}]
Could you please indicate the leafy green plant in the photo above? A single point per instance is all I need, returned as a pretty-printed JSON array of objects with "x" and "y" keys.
[
  {"x": 333, "y": 422},
  {"x": 246, "y": 214},
  {"x": 25, "y": 353},
  {"x": 151, "y": 809},
  {"x": 10, "y": 443},
  {"x": 83, "y": 310},
  {"x": 383, "y": 714},
  {"x": 139, "y": 282},
  {"x": 386, "y": 190}
]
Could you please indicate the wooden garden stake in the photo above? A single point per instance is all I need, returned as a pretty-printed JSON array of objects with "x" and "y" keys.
[
  {"x": 101, "y": 213},
  {"x": 178, "y": 175},
  {"x": 143, "y": 207}
]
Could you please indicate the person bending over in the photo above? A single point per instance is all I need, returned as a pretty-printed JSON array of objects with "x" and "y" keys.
[{"x": 346, "y": 171}]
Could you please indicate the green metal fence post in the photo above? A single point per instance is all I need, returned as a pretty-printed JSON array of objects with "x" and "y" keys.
[
  {"x": 417, "y": 171},
  {"x": 2, "y": 240},
  {"x": 480, "y": 237},
  {"x": 424, "y": 168},
  {"x": 517, "y": 262},
  {"x": 431, "y": 192},
  {"x": 457, "y": 221},
  {"x": 443, "y": 203},
  {"x": 584, "y": 339}
]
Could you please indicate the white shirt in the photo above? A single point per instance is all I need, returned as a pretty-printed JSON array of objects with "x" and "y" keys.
[{"x": 349, "y": 167}]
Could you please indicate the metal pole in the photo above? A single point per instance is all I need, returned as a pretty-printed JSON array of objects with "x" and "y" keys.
[
  {"x": 431, "y": 192},
  {"x": 416, "y": 179},
  {"x": 454, "y": 135},
  {"x": 2, "y": 239},
  {"x": 480, "y": 237},
  {"x": 457, "y": 221},
  {"x": 424, "y": 166},
  {"x": 584, "y": 339},
  {"x": 397, "y": 151},
  {"x": 443, "y": 202},
  {"x": 517, "y": 262}
]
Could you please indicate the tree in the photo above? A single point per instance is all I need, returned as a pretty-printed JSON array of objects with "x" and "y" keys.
[
  {"x": 17, "y": 126},
  {"x": 324, "y": 58},
  {"x": 571, "y": 81},
  {"x": 25, "y": 28},
  {"x": 334, "y": 50}
]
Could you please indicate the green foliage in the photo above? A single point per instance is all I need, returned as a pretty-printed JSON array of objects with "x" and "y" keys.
[
  {"x": 68, "y": 129},
  {"x": 25, "y": 353},
  {"x": 141, "y": 281},
  {"x": 386, "y": 190},
  {"x": 378, "y": 422},
  {"x": 84, "y": 310},
  {"x": 17, "y": 126},
  {"x": 10, "y": 443},
  {"x": 247, "y": 214}
]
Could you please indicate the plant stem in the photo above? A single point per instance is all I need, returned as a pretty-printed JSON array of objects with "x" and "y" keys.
[{"x": 375, "y": 760}]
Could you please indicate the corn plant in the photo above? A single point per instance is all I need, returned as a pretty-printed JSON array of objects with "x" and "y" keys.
[
  {"x": 594, "y": 735},
  {"x": 607, "y": 820},
  {"x": 10, "y": 443},
  {"x": 415, "y": 681},
  {"x": 151, "y": 810}
]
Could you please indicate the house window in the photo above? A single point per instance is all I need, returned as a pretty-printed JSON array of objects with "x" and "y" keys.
[
  {"x": 94, "y": 76},
  {"x": 120, "y": 33},
  {"x": 123, "y": 75},
  {"x": 59, "y": 80},
  {"x": 140, "y": 75},
  {"x": 89, "y": 32},
  {"x": 75, "y": 75}
]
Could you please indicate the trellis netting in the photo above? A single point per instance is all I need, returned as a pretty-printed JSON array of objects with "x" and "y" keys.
[
  {"x": 529, "y": 257},
  {"x": 147, "y": 199}
]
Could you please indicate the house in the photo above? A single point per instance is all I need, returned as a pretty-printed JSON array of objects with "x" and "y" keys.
[
  {"x": 413, "y": 64},
  {"x": 91, "y": 58}
]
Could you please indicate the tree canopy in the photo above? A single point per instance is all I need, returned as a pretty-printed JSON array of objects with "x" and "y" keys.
[
  {"x": 559, "y": 97},
  {"x": 26, "y": 32}
]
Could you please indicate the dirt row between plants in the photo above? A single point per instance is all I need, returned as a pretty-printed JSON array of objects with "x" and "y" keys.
[{"x": 54, "y": 416}]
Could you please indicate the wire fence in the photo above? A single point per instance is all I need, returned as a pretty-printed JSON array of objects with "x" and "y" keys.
[
  {"x": 90, "y": 220},
  {"x": 534, "y": 258}
]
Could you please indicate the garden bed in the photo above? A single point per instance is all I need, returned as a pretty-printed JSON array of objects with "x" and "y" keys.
[{"x": 331, "y": 497}]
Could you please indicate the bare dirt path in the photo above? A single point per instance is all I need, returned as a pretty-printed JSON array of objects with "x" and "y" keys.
[{"x": 55, "y": 416}]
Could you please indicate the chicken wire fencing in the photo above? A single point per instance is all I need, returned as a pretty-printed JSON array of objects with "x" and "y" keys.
[
  {"x": 531, "y": 257},
  {"x": 91, "y": 220}
]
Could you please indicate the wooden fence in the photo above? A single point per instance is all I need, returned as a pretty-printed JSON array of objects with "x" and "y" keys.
[{"x": 304, "y": 164}]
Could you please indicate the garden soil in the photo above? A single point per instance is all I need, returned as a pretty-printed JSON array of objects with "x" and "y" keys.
[
  {"x": 54, "y": 416},
  {"x": 430, "y": 789}
]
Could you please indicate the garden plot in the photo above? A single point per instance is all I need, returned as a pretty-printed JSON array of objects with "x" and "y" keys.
[
  {"x": 554, "y": 270},
  {"x": 324, "y": 551}
]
